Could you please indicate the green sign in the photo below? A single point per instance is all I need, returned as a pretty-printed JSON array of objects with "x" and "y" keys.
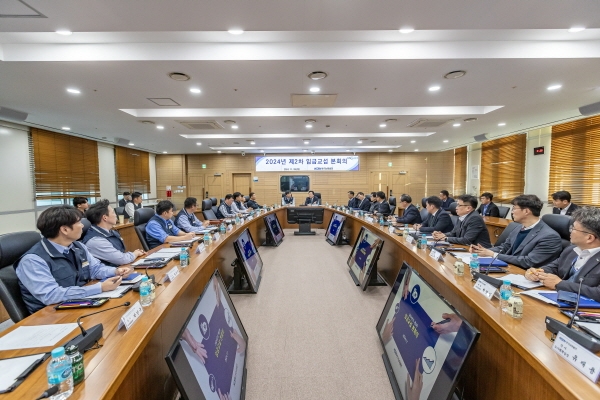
[
  {"x": 389, "y": 164},
  {"x": 203, "y": 166}
]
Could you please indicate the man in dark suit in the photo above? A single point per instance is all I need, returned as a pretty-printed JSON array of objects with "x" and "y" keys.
[
  {"x": 411, "y": 215},
  {"x": 562, "y": 203},
  {"x": 362, "y": 202},
  {"x": 470, "y": 228},
  {"x": 384, "y": 207},
  {"x": 446, "y": 199},
  {"x": 487, "y": 208},
  {"x": 374, "y": 204},
  {"x": 579, "y": 261},
  {"x": 312, "y": 199},
  {"x": 439, "y": 220},
  {"x": 533, "y": 244},
  {"x": 126, "y": 199},
  {"x": 351, "y": 199}
]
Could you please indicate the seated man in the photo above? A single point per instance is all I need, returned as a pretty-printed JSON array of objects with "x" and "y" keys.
[
  {"x": 562, "y": 203},
  {"x": 103, "y": 242},
  {"x": 251, "y": 203},
  {"x": 312, "y": 200},
  {"x": 374, "y": 203},
  {"x": 470, "y": 228},
  {"x": 134, "y": 204},
  {"x": 57, "y": 268},
  {"x": 186, "y": 219},
  {"x": 532, "y": 245},
  {"x": 287, "y": 199},
  {"x": 161, "y": 229},
  {"x": 446, "y": 200},
  {"x": 384, "y": 207},
  {"x": 81, "y": 203},
  {"x": 126, "y": 199},
  {"x": 439, "y": 220},
  {"x": 351, "y": 199},
  {"x": 487, "y": 208},
  {"x": 363, "y": 203},
  {"x": 576, "y": 262},
  {"x": 225, "y": 210},
  {"x": 238, "y": 203},
  {"x": 411, "y": 215}
]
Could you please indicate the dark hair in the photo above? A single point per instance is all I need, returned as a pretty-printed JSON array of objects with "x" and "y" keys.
[
  {"x": 126, "y": 193},
  {"x": 530, "y": 201},
  {"x": 351, "y": 192},
  {"x": 236, "y": 195},
  {"x": 562, "y": 195},
  {"x": 51, "y": 219},
  {"x": 434, "y": 201},
  {"x": 287, "y": 192},
  {"x": 469, "y": 199},
  {"x": 310, "y": 191},
  {"x": 445, "y": 193},
  {"x": 589, "y": 218},
  {"x": 251, "y": 194},
  {"x": 228, "y": 196},
  {"x": 381, "y": 195},
  {"x": 373, "y": 194},
  {"x": 97, "y": 211},
  {"x": 406, "y": 198},
  {"x": 164, "y": 206},
  {"x": 135, "y": 195},
  {"x": 360, "y": 194},
  {"x": 190, "y": 202},
  {"x": 488, "y": 195},
  {"x": 79, "y": 200}
]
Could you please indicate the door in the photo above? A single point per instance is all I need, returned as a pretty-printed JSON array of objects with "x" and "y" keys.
[
  {"x": 196, "y": 186},
  {"x": 379, "y": 181},
  {"x": 214, "y": 186},
  {"x": 241, "y": 183}
]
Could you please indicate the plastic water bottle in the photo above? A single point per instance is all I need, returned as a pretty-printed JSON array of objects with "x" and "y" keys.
[
  {"x": 237, "y": 220},
  {"x": 223, "y": 228},
  {"x": 183, "y": 257},
  {"x": 381, "y": 220},
  {"x": 206, "y": 239},
  {"x": 505, "y": 295},
  {"x": 474, "y": 263},
  {"x": 145, "y": 292},
  {"x": 422, "y": 242},
  {"x": 59, "y": 373},
  {"x": 406, "y": 230}
]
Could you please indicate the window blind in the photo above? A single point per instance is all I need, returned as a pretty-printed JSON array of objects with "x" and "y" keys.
[
  {"x": 460, "y": 171},
  {"x": 133, "y": 170},
  {"x": 503, "y": 167}
]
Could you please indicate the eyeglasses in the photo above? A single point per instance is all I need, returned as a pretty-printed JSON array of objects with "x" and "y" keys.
[
  {"x": 571, "y": 229},
  {"x": 463, "y": 205}
]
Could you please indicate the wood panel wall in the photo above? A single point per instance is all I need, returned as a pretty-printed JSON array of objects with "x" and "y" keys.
[{"x": 426, "y": 174}]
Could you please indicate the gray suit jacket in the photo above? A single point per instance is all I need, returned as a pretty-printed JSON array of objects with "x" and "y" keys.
[
  {"x": 471, "y": 231},
  {"x": 540, "y": 246},
  {"x": 590, "y": 272}
]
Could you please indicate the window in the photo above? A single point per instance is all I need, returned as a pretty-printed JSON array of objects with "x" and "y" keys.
[
  {"x": 460, "y": 171},
  {"x": 503, "y": 167},
  {"x": 294, "y": 183},
  {"x": 133, "y": 171},
  {"x": 575, "y": 161},
  {"x": 63, "y": 167}
]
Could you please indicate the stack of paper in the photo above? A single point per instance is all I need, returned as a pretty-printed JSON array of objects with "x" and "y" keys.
[
  {"x": 537, "y": 294},
  {"x": 520, "y": 281},
  {"x": 26, "y": 337},
  {"x": 164, "y": 253},
  {"x": 112, "y": 294}
]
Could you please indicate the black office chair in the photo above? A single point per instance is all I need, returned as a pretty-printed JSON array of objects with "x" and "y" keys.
[
  {"x": 452, "y": 208},
  {"x": 86, "y": 225},
  {"x": 246, "y": 198},
  {"x": 503, "y": 211},
  {"x": 424, "y": 202},
  {"x": 506, "y": 232},
  {"x": 207, "y": 210},
  {"x": 140, "y": 219},
  {"x": 12, "y": 247},
  {"x": 214, "y": 201},
  {"x": 120, "y": 210},
  {"x": 368, "y": 196},
  {"x": 392, "y": 201},
  {"x": 424, "y": 214},
  {"x": 561, "y": 224},
  {"x": 318, "y": 195}
]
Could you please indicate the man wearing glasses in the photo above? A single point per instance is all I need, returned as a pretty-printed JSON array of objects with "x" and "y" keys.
[
  {"x": 533, "y": 244},
  {"x": 578, "y": 262},
  {"x": 470, "y": 228}
]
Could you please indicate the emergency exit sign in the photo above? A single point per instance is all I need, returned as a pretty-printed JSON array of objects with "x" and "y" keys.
[{"x": 538, "y": 150}]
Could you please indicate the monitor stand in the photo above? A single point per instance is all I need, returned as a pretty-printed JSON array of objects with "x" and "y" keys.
[
  {"x": 240, "y": 283},
  {"x": 270, "y": 241},
  {"x": 392, "y": 377},
  {"x": 304, "y": 228},
  {"x": 374, "y": 278}
]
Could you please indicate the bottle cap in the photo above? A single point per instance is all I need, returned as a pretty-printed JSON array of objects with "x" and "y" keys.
[
  {"x": 58, "y": 352},
  {"x": 505, "y": 282},
  {"x": 144, "y": 278}
]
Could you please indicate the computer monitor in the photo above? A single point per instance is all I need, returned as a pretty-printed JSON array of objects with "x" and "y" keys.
[
  {"x": 334, "y": 230},
  {"x": 274, "y": 232},
  {"x": 249, "y": 265},
  {"x": 425, "y": 341},
  {"x": 363, "y": 259},
  {"x": 304, "y": 216},
  {"x": 208, "y": 358}
]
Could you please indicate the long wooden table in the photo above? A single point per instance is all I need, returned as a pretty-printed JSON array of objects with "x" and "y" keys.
[{"x": 513, "y": 358}]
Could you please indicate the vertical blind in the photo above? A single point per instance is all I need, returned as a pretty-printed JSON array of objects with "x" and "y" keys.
[
  {"x": 133, "y": 171},
  {"x": 460, "y": 171},
  {"x": 575, "y": 160},
  {"x": 503, "y": 167},
  {"x": 63, "y": 166}
]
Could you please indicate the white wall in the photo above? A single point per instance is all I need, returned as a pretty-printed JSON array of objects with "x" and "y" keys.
[
  {"x": 17, "y": 208},
  {"x": 537, "y": 168},
  {"x": 152, "y": 168},
  {"x": 108, "y": 174}
]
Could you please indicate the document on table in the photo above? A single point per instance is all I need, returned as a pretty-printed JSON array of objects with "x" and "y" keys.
[
  {"x": 185, "y": 241},
  {"x": 590, "y": 326},
  {"x": 464, "y": 257},
  {"x": 520, "y": 281},
  {"x": 111, "y": 294},
  {"x": 28, "y": 337},
  {"x": 537, "y": 294},
  {"x": 13, "y": 368},
  {"x": 164, "y": 253}
]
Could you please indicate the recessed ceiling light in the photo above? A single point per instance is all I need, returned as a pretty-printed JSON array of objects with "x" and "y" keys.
[
  {"x": 446, "y": 141},
  {"x": 305, "y": 150},
  {"x": 359, "y": 142},
  {"x": 502, "y": 124},
  {"x": 314, "y": 89},
  {"x": 416, "y": 149},
  {"x": 317, "y": 75},
  {"x": 236, "y": 31},
  {"x": 132, "y": 144},
  {"x": 65, "y": 32},
  {"x": 382, "y": 125},
  {"x": 65, "y": 128},
  {"x": 234, "y": 127},
  {"x": 198, "y": 144},
  {"x": 74, "y": 91},
  {"x": 455, "y": 74},
  {"x": 218, "y": 151},
  {"x": 252, "y": 142},
  {"x": 413, "y": 141},
  {"x": 434, "y": 88},
  {"x": 262, "y": 151},
  {"x": 179, "y": 76},
  {"x": 160, "y": 127},
  {"x": 456, "y": 124},
  {"x": 554, "y": 87},
  {"x": 309, "y": 125},
  {"x": 310, "y": 121},
  {"x": 347, "y": 149},
  {"x": 195, "y": 90},
  {"x": 306, "y": 141},
  {"x": 164, "y": 152},
  {"x": 576, "y": 29},
  {"x": 406, "y": 30},
  {"x": 390, "y": 150}
]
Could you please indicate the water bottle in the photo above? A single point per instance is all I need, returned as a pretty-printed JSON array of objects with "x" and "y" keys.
[
  {"x": 206, "y": 239},
  {"x": 76, "y": 363},
  {"x": 145, "y": 292},
  {"x": 423, "y": 242},
  {"x": 381, "y": 220},
  {"x": 237, "y": 220},
  {"x": 59, "y": 373},
  {"x": 505, "y": 295},
  {"x": 183, "y": 257},
  {"x": 223, "y": 228},
  {"x": 474, "y": 263},
  {"x": 406, "y": 230}
]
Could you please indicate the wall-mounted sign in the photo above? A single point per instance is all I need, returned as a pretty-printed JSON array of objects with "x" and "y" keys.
[
  {"x": 538, "y": 150},
  {"x": 307, "y": 163},
  {"x": 203, "y": 166}
]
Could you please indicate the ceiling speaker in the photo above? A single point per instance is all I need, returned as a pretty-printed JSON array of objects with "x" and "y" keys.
[
  {"x": 14, "y": 115},
  {"x": 480, "y": 138},
  {"x": 590, "y": 109},
  {"x": 121, "y": 141}
]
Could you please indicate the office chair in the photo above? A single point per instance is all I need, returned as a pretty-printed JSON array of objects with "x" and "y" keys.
[
  {"x": 246, "y": 198},
  {"x": 12, "y": 247},
  {"x": 214, "y": 201},
  {"x": 318, "y": 195},
  {"x": 503, "y": 211},
  {"x": 452, "y": 208},
  {"x": 561, "y": 224},
  {"x": 424, "y": 202},
  {"x": 140, "y": 219},
  {"x": 506, "y": 232},
  {"x": 424, "y": 214},
  {"x": 86, "y": 225},
  {"x": 207, "y": 210},
  {"x": 392, "y": 201},
  {"x": 119, "y": 210}
]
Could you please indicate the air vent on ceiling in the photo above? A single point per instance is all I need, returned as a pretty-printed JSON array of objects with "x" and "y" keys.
[
  {"x": 313, "y": 100},
  {"x": 164, "y": 101},
  {"x": 201, "y": 125},
  {"x": 428, "y": 123}
]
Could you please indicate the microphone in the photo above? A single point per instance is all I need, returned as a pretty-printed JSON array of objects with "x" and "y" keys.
[
  {"x": 487, "y": 270},
  {"x": 570, "y": 324},
  {"x": 151, "y": 277},
  {"x": 48, "y": 393},
  {"x": 88, "y": 338}
]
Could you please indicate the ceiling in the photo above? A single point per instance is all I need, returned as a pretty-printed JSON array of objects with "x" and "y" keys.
[{"x": 120, "y": 54}]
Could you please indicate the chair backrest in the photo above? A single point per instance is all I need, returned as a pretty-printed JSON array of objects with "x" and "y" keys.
[
  {"x": 214, "y": 201},
  {"x": 368, "y": 196},
  {"x": 142, "y": 216},
  {"x": 222, "y": 201},
  {"x": 140, "y": 230},
  {"x": 392, "y": 201},
  {"x": 209, "y": 214},
  {"x": 246, "y": 198},
  {"x": 12, "y": 247},
  {"x": 119, "y": 210},
  {"x": 393, "y": 210},
  {"x": 214, "y": 210},
  {"x": 506, "y": 232},
  {"x": 452, "y": 208},
  {"x": 454, "y": 219},
  {"x": 424, "y": 214},
  {"x": 424, "y": 202},
  {"x": 318, "y": 195},
  {"x": 86, "y": 225},
  {"x": 503, "y": 211},
  {"x": 561, "y": 224},
  {"x": 206, "y": 204}
]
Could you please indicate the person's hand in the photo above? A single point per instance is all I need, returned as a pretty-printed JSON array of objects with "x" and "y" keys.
[
  {"x": 532, "y": 274},
  {"x": 200, "y": 352},
  {"x": 388, "y": 330},
  {"x": 124, "y": 271},
  {"x": 448, "y": 327},
  {"x": 481, "y": 251},
  {"x": 413, "y": 392},
  {"x": 223, "y": 396},
  {"x": 549, "y": 280},
  {"x": 111, "y": 284},
  {"x": 405, "y": 291},
  {"x": 189, "y": 235},
  {"x": 137, "y": 253},
  {"x": 438, "y": 235},
  {"x": 240, "y": 341},
  {"x": 205, "y": 223},
  {"x": 416, "y": 227}
]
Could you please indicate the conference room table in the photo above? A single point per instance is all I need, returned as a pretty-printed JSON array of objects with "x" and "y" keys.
[{"x": 513, "y": 358}]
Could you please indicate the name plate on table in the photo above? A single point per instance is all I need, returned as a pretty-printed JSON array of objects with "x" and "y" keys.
[
  {"x": 485, "y": 288},
  {"x": 172, "y": 274},
  {"x": 249, "y": 218},
  {"x": 410, "y": 239},
  {"x": 200, "y": 248},
  {"x": 131, "y": 316},
  {"x": 216, "y": 237},
  {"x": 582, "y": 359},
  {"x": 369, "y": 219},
  {"x": 391, "y": 229},
  {"x": 229, "y": 227},
  {"x": 436, "y": 255}
]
